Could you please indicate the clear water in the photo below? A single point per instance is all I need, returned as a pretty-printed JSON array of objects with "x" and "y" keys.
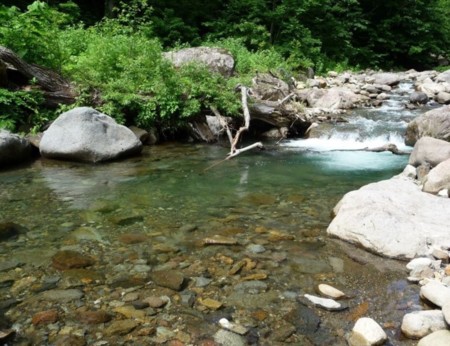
[{"x": 290, "y": 188}]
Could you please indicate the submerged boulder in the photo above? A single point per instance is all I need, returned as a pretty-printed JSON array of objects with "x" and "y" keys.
[
  {"x": 434, "y": 123},
  {"x": 84, "y": 134},
  {"x": 216, "y": 59},
  {"x": 13, "y": 149},
  {"x": 393, "y": 218}
]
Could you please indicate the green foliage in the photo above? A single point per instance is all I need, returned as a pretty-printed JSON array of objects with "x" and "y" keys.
[
  {"x": 21, "y": 108},
  {"x": 32, "y": 34}
]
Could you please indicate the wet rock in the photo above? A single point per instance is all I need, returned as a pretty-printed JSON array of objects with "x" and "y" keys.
[
  {"x": 7, "y": 265},
  {"x": 283, "y": 331},
  {"x": 305, "y": 320},
  {"x": 233, "y": 327},
  {"x": 156, "y": 302},
  {"x": 68, "y": 259},
  {"x": 188, "y": 228},
  {"x": 133, "y": 238},
  {"x": 418, "y": 98},
  {"x": 10, "y": 230},
  {"x": 131, "y": 296},
  {"x": 417, "y": 324},
  {"x": 255, "y": 248},
  {"x": 93, "y": 317},
  {"x": 62, "y": 296},
  {"x": 436, "y": 293},
  {"x": 121, "y": 327},
  {"x": 327, "y": 304},
  {"x": 367, "y": 332},
  {"x": 219, "y": 240},
  {"x": 330, "y": 291},
  {"x": 224, "y": 337},
  {"x": 188, "y": 298},
  {"x": 130, "y": 311},
  {"x": 201, "y": 281},
  {"x": 22, "y": 284},
  {"x": 439, "y": 338},
  {"x": 210, "y": 303},
  {"x": 168, "y": 278},
  {"x": 13, "y": 149},
  {"x": 251, "y": 286},
  {"x": 126, "y": 220},
  {"x": 45, "y": 317},
  {"x": 69, "y": 340}
]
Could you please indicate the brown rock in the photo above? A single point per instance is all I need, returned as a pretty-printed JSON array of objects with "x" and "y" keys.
[
  {"x": 45, "y": 317},
  {"x": 121, "y": 327},
  {"x": 68, "y": 259},
  {"x": 94, "y": 317},
  {"x": 69, "y": 340},
  {"x": 447, "y": 270},
  {"x": 210, "y": 303},
  {"x": 168, "y": 278},
  {"x": 133, "y": 238},
  {"x": 155, "y": 302}
]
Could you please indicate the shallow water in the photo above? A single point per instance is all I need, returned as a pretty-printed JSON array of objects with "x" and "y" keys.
[{"x": 281, "y": 198}]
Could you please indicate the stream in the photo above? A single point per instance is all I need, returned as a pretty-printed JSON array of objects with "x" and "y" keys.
[{"x": 170, "y": 200}]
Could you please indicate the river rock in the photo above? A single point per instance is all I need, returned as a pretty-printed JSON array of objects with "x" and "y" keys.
[
  {"x": 168, "y": 278},
  {"x": 417, "y": 324},
  {"x": 438, "y": 338},
  {"x": 93, "y": 317},
  {"x": 392, "y": 218},
  {"x": 418, "y": 98},
  {"x": 121, "y": 327},
  {"x": 68, "y": 259},
  {"x": 443, "y": 77},
  {"x": 434, "y": 123},
  {"x": 62, "y": 296},
  {"x": 216, "y": 59},
  {"x": 45, "y": 317},
  {"x": 336, "y": 98},
  {"x": 267, "y": 87},
  {"x": 435, "y": 292},
  {"x": 446, "y": 312},
  {"x": 330, "y": 291},
  {"x": 438, "y": 178},
  {"x": 429, "y": 151},
  {"x": 225, "y": 337},
  {"x": 84, "y": 134},
  {"x": 386, "y": 78},
  {"x": 367, "y": 332},
  {"x": 325, "y": 303},
  {"x": 419, "y": 262},
  {"x": 430, "y": 88},
  {"x": 13, "y": 149},
  {"x": 443, "y": 97},
  {"x": 10, "y": 230}
]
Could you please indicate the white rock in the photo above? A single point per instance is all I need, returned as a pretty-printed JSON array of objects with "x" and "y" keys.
[
  {"x": 409, "y": 172},
  {"x": 444, "y": 193},
  {"x": 236, "y": 328},
  {"x": 436, "y": 293},
  {"x": 328, "y": 304},
  {"x": 330, "y": 291},
  {"x": 418, "y": 262},
  {"x": 417, "y": 324},
  {"x": 392, "y": 218},
  {"x": 446, "y": 312},
  {"x": 225, "y": 337},
  {"x": 367, "y": 332},
  {"x": 439, "y": 338}
]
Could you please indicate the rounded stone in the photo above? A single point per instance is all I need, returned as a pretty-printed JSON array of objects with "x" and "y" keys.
[
  {"x": 418, "y": 324},
  {"x": 94, "y": 317},
  {"x": 439, "y": 338},
  {"x": 68, "y": 259},
  {"x": 367, "y": 332},
  {"x": 330, "y": 291},
  {"x": 436, "y": 293},
  {"x": 45, "y": 317}
]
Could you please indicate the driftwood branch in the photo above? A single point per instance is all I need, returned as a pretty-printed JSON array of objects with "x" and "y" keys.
[
  {"x": 234, "y": 152},
  {"x": 387, "y": 147}
]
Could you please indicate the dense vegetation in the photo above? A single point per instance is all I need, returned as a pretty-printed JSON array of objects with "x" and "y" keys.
[{"x": 112, "y": 51}]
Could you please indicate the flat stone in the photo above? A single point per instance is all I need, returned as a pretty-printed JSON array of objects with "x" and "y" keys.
[
  {"x": 436, "y": 293},
  {"x": 130, "y": 311},
  {"x": 133, "y": 238},
  {"x": 93, "y": 317},
  {"x": 121, "y": 327},
  {"x": 45, "y": 317},
  {"x": 439, "y": 338},
  {"x": 418, "y": 262},
  {"x": 68, "y": 259},
  {"x": 446, "y": 312},
  {"x": 440, "y": 254},
  {"x": 233, "y": 327},
  {"x": 210, "y": 303},
  {"x": 225, "y": 337},
  {"x": 251, "y": 286},
  {"x": 63, "y": 296},
  {"x": 156, "y": 302},
  {"x": 168, "y": 278},
  {"x": 7, "y": 265},
  {"x": 417, "y": 324},
  {"x": 327, "y": 304},
  {"x": 255, "y": 248},
  {"x": 330, "y": 291},
  {"x": 367, "y": 332}
]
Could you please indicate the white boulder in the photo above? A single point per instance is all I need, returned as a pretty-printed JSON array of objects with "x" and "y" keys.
[
  {"x": 417, "y": 324},
  {"x": 367, "y": 332}
]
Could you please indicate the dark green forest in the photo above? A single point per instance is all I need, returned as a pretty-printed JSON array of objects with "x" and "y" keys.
[{"x": 111, "y": 50}]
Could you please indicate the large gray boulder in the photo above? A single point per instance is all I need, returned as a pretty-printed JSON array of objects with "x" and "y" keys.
[
  {"x": 216, "y": 59},
  {"x": 386, "y": 78},
  {"x": 84, "y": 134},
  {"x": 429, "y": 151},
  {"x": 438, "y": 178},
  {"x": 13, "y": 149},
  {"x": 443, "y": 77},
  {"x": 434, "y": 123},
  {"x": 336, "y": 98},
  {"x": 393, "y": 218}
]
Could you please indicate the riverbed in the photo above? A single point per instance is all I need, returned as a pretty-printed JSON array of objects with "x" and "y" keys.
[{"x": 181, "y": 208}]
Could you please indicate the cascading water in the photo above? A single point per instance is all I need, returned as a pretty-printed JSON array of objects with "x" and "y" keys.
[{"x": 341, "y": 146}]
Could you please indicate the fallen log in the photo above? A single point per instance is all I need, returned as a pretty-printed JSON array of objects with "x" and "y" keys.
[
  {"x": 387, "y": 147},
  {"x": 56, "y": 89}
]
